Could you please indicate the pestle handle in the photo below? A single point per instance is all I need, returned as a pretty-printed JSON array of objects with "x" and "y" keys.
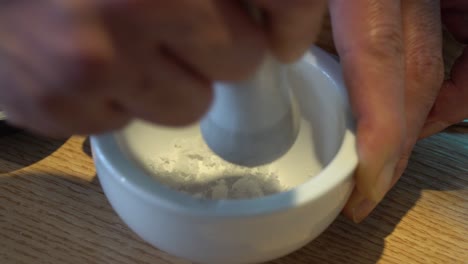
[{"x": 252, "y": 122}]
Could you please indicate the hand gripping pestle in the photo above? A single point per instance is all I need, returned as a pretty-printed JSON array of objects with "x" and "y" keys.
[{"x": 255, "y": 121}]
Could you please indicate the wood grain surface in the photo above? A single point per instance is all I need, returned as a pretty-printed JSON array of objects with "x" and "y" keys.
[{"x": 53, "y": 210}]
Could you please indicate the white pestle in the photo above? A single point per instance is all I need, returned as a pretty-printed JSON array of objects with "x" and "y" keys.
[{"x": 253, "y": 122}]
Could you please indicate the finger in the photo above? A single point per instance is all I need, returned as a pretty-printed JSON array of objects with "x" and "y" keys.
[
  {"x": 424, "y": 62},
  {"x": 80, "y": 114},
  {"x": 358, "y": 207},
  {"x": 31, "y": 102},
  {"x": 218, "y": 39},
  {"x": 50, "y": 72},
  {"x": 369, "y": 40},
  {"x": 156, "y": 84},
  {"x": 292, "y": 26},
  {"x": 66, "y": 44},
  {"x": 167, "y": 93},
  {"x": 424, "y": 75},
  {"x": 66, "y": 116},
  {"x": 451, "y": 104}
]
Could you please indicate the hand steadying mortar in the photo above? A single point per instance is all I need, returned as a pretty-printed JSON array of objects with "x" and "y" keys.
[{"x": 253, "y": 122}]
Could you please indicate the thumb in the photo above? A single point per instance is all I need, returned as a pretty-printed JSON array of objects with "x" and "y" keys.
[{"x": 451, "y": 105}]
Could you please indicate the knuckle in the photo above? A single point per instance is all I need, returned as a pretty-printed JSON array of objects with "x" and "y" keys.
[
  {"x": 390, "y": 127},
  {"x": 80, "y": 63},
  {"x": 48, "y": 102},
  {"x": 385, "y": 41},
  {"x": 88, "y": 64},
  {"x": 83, "y": 76},
  {"x": 424, "y": 62}
]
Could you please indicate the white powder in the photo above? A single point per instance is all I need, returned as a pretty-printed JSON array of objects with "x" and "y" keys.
[{"x": 191, "y": 167}]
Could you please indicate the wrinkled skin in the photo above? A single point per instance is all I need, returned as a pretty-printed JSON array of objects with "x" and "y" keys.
[
  {"x": 394, "y": 71},
  {"x": 87, "y": 66}
]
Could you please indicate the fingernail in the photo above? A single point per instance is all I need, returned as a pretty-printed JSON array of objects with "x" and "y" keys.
[
  {"x": 382, "y": 185},
  {"x": 362, "y": 210}
]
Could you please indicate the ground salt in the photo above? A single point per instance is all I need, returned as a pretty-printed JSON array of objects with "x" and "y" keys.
[{"x": 191, "y": 167}]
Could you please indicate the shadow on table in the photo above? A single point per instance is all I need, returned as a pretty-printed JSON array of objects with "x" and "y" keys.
[
  {"x": 460, "y": 129},
  {"x": 22, "y": 149},
  {"x": 86, "y": 147},
  {"x": 51, "y": 215},
  {"x": 39, "y": 206},
  {"x": 343, "y": 242},
  {"x": 346, "y": 242},
  {"x": 430, "y": 168}
]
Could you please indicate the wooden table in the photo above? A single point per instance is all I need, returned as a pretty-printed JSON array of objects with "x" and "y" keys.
[{"x": 53, "y": 210}]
